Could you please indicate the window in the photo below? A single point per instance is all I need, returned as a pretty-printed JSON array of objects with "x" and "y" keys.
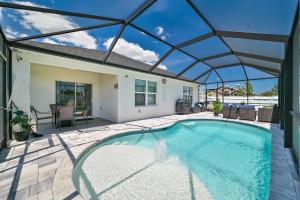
[
  {"x": 74, "y": 94},
  {"x": 145, "y": 92},
  {"x": 188, "y": 93}
]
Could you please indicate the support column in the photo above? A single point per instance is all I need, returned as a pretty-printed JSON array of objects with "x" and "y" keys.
[
  {"x": 247, "y": 90},
  {"x": 288, "y": 98},
  {"x": 281, "y": 98},
  {"x": 223, "y": 93},
  {"x": 217, "y": 92}
]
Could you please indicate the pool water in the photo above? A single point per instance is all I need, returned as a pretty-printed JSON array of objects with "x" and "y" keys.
[{"x": 231, "y": 159}]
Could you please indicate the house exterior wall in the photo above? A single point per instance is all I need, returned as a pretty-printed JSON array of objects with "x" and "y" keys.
[
  {"x": 43, "y": 88},
  {"x": 116, "y": 104}
]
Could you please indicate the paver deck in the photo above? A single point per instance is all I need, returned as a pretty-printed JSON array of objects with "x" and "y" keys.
[{"x": 41, "y": 168}]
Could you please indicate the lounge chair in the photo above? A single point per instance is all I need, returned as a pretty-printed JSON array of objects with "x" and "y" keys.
[
  {"x": 247, "y": 112},
  {"x": 65, "y": 113},
  {"x": 226, "y": 110}
]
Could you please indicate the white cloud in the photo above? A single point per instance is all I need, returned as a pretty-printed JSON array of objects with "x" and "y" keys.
[
  {"x": 165, "y": 36},
  {"x": 159, "y": 30},
  {"x": 47, "y": 23},
  {"x": 49, "y": 41},
  {"x": 163, "y": 67},
  {"x": 13, "y": 34},
  {"x": 134, "y": 51}
]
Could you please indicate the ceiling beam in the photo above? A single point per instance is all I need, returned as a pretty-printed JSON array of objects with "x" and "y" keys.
[
  {"x": 253, "y": 79},
  {"x": 265, "y": 58},
  {"x": 54, "y": 11},
  {"x": 161, "y": 59},
  {"x": 208, "y": 77},
  {"x": 253, "y": 36},
  {"x": 188, "y": 68},
  {"x": 219, "y": 76},
  {"x": 203, "y": 74},
  {"x": 228, "y": 65},
  {"x": 194, "y": 40},
  {"x": 137, "y": 12},
  {"x": 264, "y": 69},
  {"x": 63, "y": 32},
  {"x": 216, "y": 56},
  {"x": 112, "y": 45}
]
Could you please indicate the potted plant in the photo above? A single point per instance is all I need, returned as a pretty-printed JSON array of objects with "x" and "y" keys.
[
  {"x": 21, "y": 125},
  {"x": 217, "y": 107}
]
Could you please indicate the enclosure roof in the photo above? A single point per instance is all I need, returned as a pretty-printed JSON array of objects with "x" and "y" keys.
[{"x": 196, "y": 40}]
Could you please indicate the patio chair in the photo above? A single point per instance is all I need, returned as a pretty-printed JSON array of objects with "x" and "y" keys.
[
  {"x": 247, "y": 112},
  {"x": 226, "y": 110},
  {"x": 233, "y": 112},
  {"x": 53, "y": 108},
  {"x": 36, "y": 117},
  {"x": 198, "y": 107},
  {"x": 65, "y": 113},
  {"x": 268, "y": 114}
]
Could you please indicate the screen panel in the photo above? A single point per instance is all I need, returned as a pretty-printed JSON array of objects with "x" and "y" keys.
[
  {"x": 107, "y": 8},
  {"x": 172, "y": 20},
  {"x": 96, "y": 39},
  {"x": 255, "y": 16},
  {"x": 232, "y": 73},
  {"x": 263, "y": 63},
  {"x": 139, "y": 46},
  {"x": 196, "y": 71},
  {"x": 203, "y": 78},
  {"x": 21, "y": 23},
  {"x": 209, "y": 47},
  {"x": 226, "y": 60},
  {"x": 254, "y": 73},
  {"x": 257, "y": 47},
  {"x": 213, "y": 78},
  {"x": 176, "y": 62}
]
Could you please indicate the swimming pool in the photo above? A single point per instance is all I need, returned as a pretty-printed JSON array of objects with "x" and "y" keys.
[{"x": 194, "y": 159}]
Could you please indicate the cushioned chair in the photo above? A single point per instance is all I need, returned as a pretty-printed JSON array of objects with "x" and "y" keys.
[
  {"x": 65, "y": 113},
  {"x": 233, "y": 112},
  {"x": 226, "y": 110},
  {"x": 268, "y": 114},
  {"x": 247, "y": 112}
]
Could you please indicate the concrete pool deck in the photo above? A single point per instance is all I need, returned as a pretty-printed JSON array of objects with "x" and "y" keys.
[{"x": 41, "y": 168}]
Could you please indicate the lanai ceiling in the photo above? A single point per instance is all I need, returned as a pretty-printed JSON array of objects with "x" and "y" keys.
[{"x": 203, "y": 41}]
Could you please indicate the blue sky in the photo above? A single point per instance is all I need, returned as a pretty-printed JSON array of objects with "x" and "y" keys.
[{"x": 171, "y": 20}]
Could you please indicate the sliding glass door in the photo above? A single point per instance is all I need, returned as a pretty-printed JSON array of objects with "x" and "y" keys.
[{"x": 78, "y": 95}]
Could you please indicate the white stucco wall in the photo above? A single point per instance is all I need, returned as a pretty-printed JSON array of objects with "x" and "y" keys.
[
  {"x": 113, "y": 104},
  {"x": 42, "y": 88}
]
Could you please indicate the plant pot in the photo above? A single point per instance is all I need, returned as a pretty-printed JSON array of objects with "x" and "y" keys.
[
  {"x": 216, "y": 114},
  {"x": 21, "y": 135}
]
